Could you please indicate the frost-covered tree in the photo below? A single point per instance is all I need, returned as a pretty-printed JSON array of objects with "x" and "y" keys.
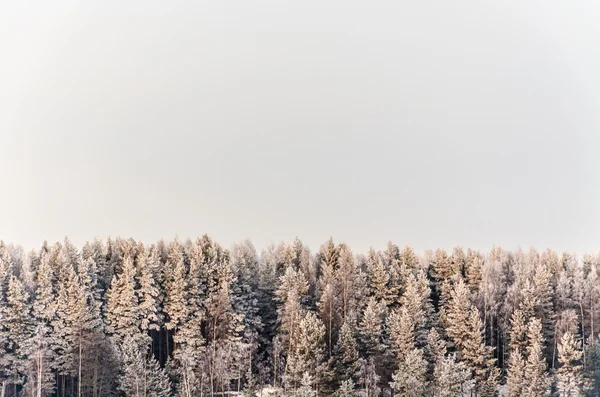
[
  {"x": 122, "y": 313},
  {"x": 346, "y": 389},
  {"x": 416, "y": 300},
  {"x": 451, "y": 378},
  {"x": 141, "y": 377},
  {"x": 401, "y": 330},
  {"x": 368, "y": 377},
  {"x": 474, "y": 264},
  {"x": 536, "y": 381},
  {"x": 435, "y": 351},
  {"x": 371, "y": 328},
  {"x": 40, "y": 382},
  {"x": 350, "y": 285},
  {"x": 17, "y": 330},
  {"x": 345, "y": 354},
  {"x": 293, "y": 286},
  {"x": 478, "y": 356},
  {"x": 569, "y": 378},
  {"x": 309, "y": 352},
  {"x": 198, "y": 319},
  {"x": 328, "y": 288},
  {"x": 149, "y": 294},
  {"x": 378, "y": 279},
  {"x": 176, "y": 302},
  {"x": 410, "y": 379},
  {"x": 306, "y": 388}
]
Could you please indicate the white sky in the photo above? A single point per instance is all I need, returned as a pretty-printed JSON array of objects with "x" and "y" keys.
[{"x": 429, "y": 123}]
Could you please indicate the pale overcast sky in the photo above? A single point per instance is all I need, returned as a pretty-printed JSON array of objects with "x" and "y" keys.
[{"x": 429, "y": 123}]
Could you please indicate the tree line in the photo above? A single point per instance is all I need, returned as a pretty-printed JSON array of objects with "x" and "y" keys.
[{"x": 191, "y": 318}]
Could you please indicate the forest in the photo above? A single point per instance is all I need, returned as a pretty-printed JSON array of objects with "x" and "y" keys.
[{"x": 117, "y": 317}]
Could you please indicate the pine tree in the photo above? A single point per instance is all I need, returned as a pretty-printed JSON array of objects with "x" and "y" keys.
[
  {"x": 410, "y": 379},
  {"x": 246, "y": 304},
  {"x": 544, "y": 310},
  {"x": 306, "y": 389},
  {"x": 435, "y": 349},
  {"x": 434, "y": 352},
  {"x": 141, "y": 377},
  {"x": 122, "y": 314},
  {"x": 41, "y": 355},
  {"x": 416, "y": 300},
  {"x": 349, "y": 282},
  {"x": 409, "y": 259},
  {"x": 478, "y": 356},
  {"x": 368, "y": 377},
  {"x": 308, "y": 352},
  {"x": 455, "y": 315},
  {"x": 346, "y": 389},
  {"x": 63, "y": 332},
  {"x": 451, "y": 378},
  {"x": 397, "y": 272},
  {"x": 473, "y": 270},
  {"x": 592, "y": 369},
  {"x": 371, "y": 328},
  {"x": 157, "y": 380},
  {"x": 378, "y": 279},
  {"x": 401, "y": 330},
  {"x": 149, "y": 294},
  {"x": 329, "y": 291},
  {"x": 290, "y": 293},
  {"x": 176, "y": 297},
  {"x": 224, "y": 326},
  {"x": 569, "y": 378},
  {"x": 536, "y": 382},
  {"x": 516, "y": 373},
  {"x": 17, "y": 331},
  {"x": 518, "y": 344},
  {"x": 82, "y": 318},
  {"x": 442, "y": 270},
  {"x": 345, "y": 354},
  {"x": 39, "y": 375}
]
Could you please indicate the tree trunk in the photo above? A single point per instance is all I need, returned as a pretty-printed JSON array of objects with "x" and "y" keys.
[
  {"x": 591, "y": 318},
  {"x": 40, "y": 372},
  {"x": 275, "y": 354},
  {"x": 555, "y": 347},
  {"x": 582, "y": 330},
  {"x": 79, "y": 369},
  {"x": 212, "y": 364},
  {"x": 167, "y": 341},
  {"x": 95, "y": 382},
  {"x": 290, "y": 349},
  {"x": 330, "y": 322},
  {"x": 173, "y": 350},
  {"x": 160, "y": 348},
  {"x": 201, "y": 383}
]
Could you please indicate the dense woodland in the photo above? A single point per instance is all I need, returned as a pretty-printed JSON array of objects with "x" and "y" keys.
[{"x": 191, "y": 318}]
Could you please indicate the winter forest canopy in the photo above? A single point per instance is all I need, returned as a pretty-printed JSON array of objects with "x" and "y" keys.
[{"x": 121, "y": 318}]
